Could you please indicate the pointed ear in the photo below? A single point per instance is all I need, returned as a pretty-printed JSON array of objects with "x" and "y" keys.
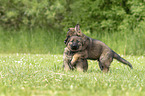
[{"x": 77, "y": 28}]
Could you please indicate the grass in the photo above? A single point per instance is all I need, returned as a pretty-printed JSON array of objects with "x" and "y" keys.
[
  {"x": 52, "y": 41},
  {"x": 42, "y": 74},
  {"x": 32, "y": 41}
]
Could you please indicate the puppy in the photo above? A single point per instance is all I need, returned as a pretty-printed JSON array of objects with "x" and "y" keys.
[
  {"x": 74, "y": 56},
  {"x": 96, "y": 50}
]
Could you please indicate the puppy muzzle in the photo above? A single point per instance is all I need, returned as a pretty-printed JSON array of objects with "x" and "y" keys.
[{"x": 74, "y": 46}]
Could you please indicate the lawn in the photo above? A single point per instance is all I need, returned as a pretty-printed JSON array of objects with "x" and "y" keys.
[{"x": 42, "y": 74}]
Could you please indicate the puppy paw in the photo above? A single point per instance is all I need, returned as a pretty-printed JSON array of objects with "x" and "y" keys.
[{"x": 72, "y": 63}]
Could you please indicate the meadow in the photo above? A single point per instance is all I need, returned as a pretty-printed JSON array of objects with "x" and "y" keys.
[
  {"x": 31, "y": 64},
  {"x": 32, "y": 34},
  {"x": 23, "y": 74},
  {"x": 52, "y": 41}
]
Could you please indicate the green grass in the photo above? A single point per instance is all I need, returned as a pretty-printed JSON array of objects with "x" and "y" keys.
[
  {"x": 32, "y": 41},
  {"x": 52, "y": 41},
  {"x": 42, "y": 74}
]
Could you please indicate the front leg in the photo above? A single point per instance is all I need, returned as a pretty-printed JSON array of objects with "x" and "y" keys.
[
  {"x": 78, "y": 56},
  {"x": 75, "y": 58},
  {"x": 66, "y": 60},
  {"x": 66, "y": 65}
]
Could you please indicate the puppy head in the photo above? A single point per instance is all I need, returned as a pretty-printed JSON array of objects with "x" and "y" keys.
[
  {"x": 73, "y": 32},
  {"x": 75, "y": 43}
]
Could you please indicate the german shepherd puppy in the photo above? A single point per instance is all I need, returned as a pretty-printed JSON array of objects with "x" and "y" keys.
[
  {"x": 96, "y": 50},
  {"x": 74, "y": 56}
]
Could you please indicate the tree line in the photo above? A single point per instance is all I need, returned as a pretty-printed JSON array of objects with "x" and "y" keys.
[{"x": 92, "y": 15}]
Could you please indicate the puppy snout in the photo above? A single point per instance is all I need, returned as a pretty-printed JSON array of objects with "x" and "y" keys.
[{"x": 74, "y": 46}]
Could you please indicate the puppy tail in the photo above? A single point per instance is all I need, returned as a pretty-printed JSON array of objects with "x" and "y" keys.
[{"x": 116, "y": 56}]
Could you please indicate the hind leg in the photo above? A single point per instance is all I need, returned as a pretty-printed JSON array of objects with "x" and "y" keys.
[
  {"x": 100, "y": 65},
  {"x": 105, "y": 61},
  {"x": 105, "y": 65}
]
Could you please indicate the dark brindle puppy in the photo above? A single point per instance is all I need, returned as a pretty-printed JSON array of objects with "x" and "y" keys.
[
  {"x": 74, "y": 56},
  {"x": 96, "y": 50}
]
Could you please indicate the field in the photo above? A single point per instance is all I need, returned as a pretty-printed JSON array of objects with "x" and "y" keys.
[
  {"x": 47, "y": 41},
  {"x": 32, "y": 34},
  {"x": 42, "y": 74}
]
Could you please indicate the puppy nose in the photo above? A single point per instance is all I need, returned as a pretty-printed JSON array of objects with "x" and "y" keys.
[{"x": 74, "y": 46}]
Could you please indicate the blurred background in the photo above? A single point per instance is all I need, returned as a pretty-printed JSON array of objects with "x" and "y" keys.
[{"x": 40, "y": 26}]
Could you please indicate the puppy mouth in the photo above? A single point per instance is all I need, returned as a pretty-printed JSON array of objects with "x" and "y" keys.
[{"x": 74, "y": 48}]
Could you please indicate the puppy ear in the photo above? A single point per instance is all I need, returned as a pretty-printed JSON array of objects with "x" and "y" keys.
[
  {"x": 65, "y": 41},
  {"x": 85, "y": 43},
  {"x": 78, "y": 31},
  {"x": 84, "y": 40},
  {"x": 71, "y": 32},
  {"x": 77, "y": 28}
]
